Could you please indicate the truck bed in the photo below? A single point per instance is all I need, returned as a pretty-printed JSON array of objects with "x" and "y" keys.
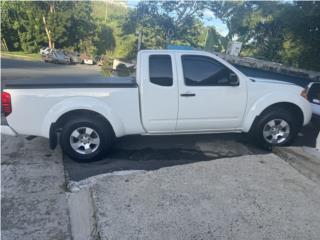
[{"x": 103, "y": 82}]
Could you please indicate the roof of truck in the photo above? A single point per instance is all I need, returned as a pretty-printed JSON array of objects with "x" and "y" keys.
[{"x": 174, "y": 51}]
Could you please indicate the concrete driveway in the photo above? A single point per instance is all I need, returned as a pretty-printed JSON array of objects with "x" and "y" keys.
[
  {"x": 245, "y": 195},
  {"x": 250, "y": 197}
]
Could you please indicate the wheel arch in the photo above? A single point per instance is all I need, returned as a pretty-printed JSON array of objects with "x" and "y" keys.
[
  {"x": 72, "y": 107},
  {"x": 289, "y": 106},
  {"x": 55, "y": 127},
  {"x": 80, "y": 113}
]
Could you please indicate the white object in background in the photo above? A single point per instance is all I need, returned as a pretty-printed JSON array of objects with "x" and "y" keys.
[
  {"x": 234, "y": 48},
  {"x": 88, "y": 61},
  {"x": 318, "y": 142},
  {"x": 117, "y": 62}
]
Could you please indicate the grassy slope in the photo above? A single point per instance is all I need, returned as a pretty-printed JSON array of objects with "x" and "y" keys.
[
  {"x": 113, "y": 10},
  {"x": 21, "y": 55}
]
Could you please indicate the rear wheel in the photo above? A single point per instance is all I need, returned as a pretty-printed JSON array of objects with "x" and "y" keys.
[
  {"x": 277, "y": 127},
  {"x": 86, "y": 139}
]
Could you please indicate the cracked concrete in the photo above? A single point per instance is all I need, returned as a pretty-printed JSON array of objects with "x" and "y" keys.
[
  {"x": 248, "y": 197},
  {"x": 34, "y": 204},
  {"x": 305, "y": 160}
]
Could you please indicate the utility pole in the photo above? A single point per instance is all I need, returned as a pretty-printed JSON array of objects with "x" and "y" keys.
[
  {"x": 139, "y": 40},
  {"x": 106, "y": 12},
  {"x": 206, "y": 39}
]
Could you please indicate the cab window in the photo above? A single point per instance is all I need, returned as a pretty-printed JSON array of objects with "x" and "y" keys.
[{"x": 205, "y": 71}]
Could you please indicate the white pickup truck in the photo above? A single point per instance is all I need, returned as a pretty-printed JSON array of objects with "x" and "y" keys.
[{"x": 174, "y": 92}]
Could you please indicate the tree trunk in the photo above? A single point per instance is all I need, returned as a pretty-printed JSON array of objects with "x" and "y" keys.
[
  {"x": 106, "y": 12},
  {"x": 48, "y": 32},
  {"x": 4, "y": 44}
]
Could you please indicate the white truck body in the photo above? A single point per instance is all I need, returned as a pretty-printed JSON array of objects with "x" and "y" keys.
[{"x": 148, "y": 108}]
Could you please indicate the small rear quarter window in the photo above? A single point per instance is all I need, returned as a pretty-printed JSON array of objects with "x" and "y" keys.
[{"x": 160, "y": 70}]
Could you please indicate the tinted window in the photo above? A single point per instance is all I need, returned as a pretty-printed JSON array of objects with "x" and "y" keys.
[
  {"x": 204, "y": 71},
  {"x": 160, "y": 69}
]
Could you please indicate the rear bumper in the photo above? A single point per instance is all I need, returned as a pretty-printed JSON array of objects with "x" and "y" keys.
[{"x": 6, "y": 130}]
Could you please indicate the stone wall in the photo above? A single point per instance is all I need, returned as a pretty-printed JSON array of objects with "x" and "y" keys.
[{"x": 270, "y": 66}]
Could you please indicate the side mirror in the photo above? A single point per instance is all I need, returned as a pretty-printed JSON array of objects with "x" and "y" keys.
[{"x": 233, "y": 79}]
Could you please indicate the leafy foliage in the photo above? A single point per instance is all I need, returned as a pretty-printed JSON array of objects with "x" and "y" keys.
[
  {"x": 287, "y": 32},
  {"x": 62, "y": 24},
  {"x": 214, "y": 41},
  {"x": 164, "y": 22}
]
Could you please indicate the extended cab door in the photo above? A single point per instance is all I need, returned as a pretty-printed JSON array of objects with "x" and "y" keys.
[
  {"x": 159, "y": 91},
  {"x": 212, "y": 96}
]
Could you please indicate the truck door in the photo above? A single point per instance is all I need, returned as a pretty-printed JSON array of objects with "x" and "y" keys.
[
  {"x": 212, "y": 97},
  {"x": 158, "y": 92}
]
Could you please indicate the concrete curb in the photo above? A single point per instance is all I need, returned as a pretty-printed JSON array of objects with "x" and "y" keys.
[
  {"x": 81, "y": 205},
  {"x": 75, "y": 186},
  {"x": 82, "y": 215}
]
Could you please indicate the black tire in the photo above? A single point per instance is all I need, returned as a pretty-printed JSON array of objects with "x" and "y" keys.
[
  {"x": 274, "y": 114},
  {"x": 103, "y": 130}
]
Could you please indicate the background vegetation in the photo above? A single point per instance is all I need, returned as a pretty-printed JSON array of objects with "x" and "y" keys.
[{"x": 286, "y": 32}]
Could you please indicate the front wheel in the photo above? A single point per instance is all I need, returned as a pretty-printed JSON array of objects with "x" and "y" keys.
[
  {"x": 85, "y": 139},
  {"x": 277, "y": 127}
]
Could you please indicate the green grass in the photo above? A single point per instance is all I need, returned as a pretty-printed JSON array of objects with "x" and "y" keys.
[{"x": 21, "y": 55}]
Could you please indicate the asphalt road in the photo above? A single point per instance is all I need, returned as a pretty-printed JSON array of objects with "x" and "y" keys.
[
  {"x": 145, "y": 153},
  {"x": 12, "y": 69}
]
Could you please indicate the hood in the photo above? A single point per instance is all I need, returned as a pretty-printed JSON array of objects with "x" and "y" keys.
[{"x": 271, "y": 81}]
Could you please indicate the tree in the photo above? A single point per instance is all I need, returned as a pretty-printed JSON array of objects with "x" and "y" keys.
[
  {"x": 9, "y": 25},
  {"x": 287, "y": 32},
  {"x": 166, "y": 22},
  {"x": 59, "y": 23},
  {"x": 214, "y": 41},
  {"x": 104, "y": 39},
  {"x": 21, "y": 26},
  {"x": 301, "y": 45},
  {"x": 120, "y": 45}
]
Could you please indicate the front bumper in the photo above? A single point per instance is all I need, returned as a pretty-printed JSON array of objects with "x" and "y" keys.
[
  {"x": 307, "y": 112},
  {"x": 7, "y": 130},
  {"x": 315, "y": 109}
]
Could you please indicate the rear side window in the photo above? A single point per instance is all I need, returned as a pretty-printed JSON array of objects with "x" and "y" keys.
[
  {"x": 204, "y": 71},
  {"x": 160, "y": 70}
]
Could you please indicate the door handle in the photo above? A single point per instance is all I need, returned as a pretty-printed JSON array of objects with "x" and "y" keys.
[{"x": 187, "y": 94}]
